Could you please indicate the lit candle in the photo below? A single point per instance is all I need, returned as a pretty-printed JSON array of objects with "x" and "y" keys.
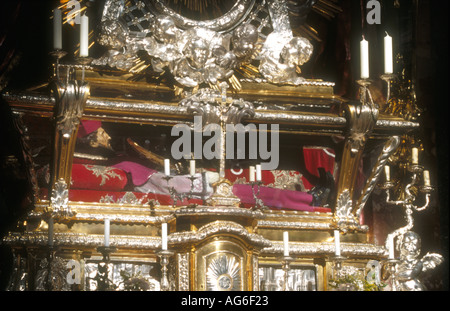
[
  {"x": 84, "y": 36},
  {"x": 388, "y": 59},
  {"x": 364, "y": 59},
  {"x": 391, "y": 247},
  {"x": 107, "y": 229},
  {"x": 50, "y": 231},
  {"x": 251, "y": 173},
  {"x": 167, "y": 167},
  {"x": 387, "y": 172},
  {"x": 415, "y": 156},
  {"x": 337, "y": 243},
  {"x": 426, "y": 178},
  {"x": 286, "y": 243},
  {"x": 164, "y": 236},
  {"x": 258, "y": 173},
  {"x": 192, "y": 167},
  {"x": 57, "y": 29}
]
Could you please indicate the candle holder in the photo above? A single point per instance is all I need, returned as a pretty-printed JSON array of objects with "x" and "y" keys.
[
  {"x": 286, "y": 266},
  {"x": 391, "y": 265},
  {"x": 51, "y": 254},
  {"x": 337, "y": 261},
  {"x": 57, "y": 55},
  {"x": 388, "y": 78},
  {"x": 103, "y": 282},
  {"x": 192, "y": 178},
  {"x": 84, "y": 62},
  {"x": 164, "y": 256},
  {"x": 364, "y": 92},
  {"x": 259, "y": 204},
  {"x": 172, "y": 191}
]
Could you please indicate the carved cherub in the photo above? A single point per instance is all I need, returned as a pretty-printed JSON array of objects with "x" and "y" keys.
[{"x": 411, "y": 267}]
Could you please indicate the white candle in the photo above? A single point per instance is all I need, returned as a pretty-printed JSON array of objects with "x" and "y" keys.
[
  {"x": 388, "y": 58},
  {"x": 337, "y": 243},
  {"x": 426, "y": 178},
  {"x": 57, "y": 29},
  {"x": 415, "y": 156},
  {"x": 391, "y": 247},
  {"x": 387, "y": 172},
  {"x": 251, "y": 173},
  {"x": 50, "y": 231},
  {"x": 84, "y": 36},
  {"x": 167, "y": 167},
  {"x": 258, "y": 173},
  {"x": 192, "y": 167},
  {"x": 164, "y": 236},
  {"x": 286, "y": 243},
  {"x": 364, "y": 59},
  {"x": 107, "y": 230}
]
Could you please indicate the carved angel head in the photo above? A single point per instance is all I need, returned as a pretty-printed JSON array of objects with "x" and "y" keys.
[
  {"x": 244, "y": 40},
  {"x": 164, "y": 29},
  {"x": 410, "y": 245},
  {"x": 297, "y": 52}
]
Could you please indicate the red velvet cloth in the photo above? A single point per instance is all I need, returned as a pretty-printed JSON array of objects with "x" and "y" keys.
[
  {"x": 315, "y": 158},
  {"x": 102, "y": 178}
]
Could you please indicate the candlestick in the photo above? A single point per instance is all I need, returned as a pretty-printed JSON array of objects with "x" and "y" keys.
[
  {"x": 57, "y": 29},
  {"x": 192, "y": 167},
  {"x": 84, "y": 36},
  {"x": 167, "y": 167},
  {"x": 286, "y": 243},
  {"x": 426, "y": 178},
  {"x": 388, "y": 59},
  {"x": 251, "y": 174},
  {"x": 164, "y": 236},
  {"x": 107, "y": 231},
  {"x": 364, "y": 59},
  {"x": 258, "y": 172},
  {"x": 387, "y": 172},
  {"x": 415, "y": 156},
  {"x": 50, "y": 231},
  {"x": 337, "y": 243}
]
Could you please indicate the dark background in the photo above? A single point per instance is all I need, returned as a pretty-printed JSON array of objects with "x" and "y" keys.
[{"x": 420, "y": 32}]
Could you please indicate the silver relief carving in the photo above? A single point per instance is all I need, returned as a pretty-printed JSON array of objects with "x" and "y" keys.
[
  {"x": 197, "y": 52},
  {"x": 224, "y": 273},
  {"x": 60, "y": 199}
]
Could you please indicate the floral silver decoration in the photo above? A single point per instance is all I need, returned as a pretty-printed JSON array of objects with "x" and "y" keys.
[
  {"x": 197, "y": 52},
  {"x": 54, "y": 277},
  {"x": 60, "y": 199}
]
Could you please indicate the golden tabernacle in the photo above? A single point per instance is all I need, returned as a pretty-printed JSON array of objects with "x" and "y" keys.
[{"x": 204, "y": 146}]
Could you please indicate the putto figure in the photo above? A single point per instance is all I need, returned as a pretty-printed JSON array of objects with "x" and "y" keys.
[
  {"x": 204, "y": 53},
  {"x": 411, "y": 267}
]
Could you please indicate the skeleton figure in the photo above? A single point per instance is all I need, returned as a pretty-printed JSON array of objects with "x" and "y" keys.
[{"x": 411, "y": 266}]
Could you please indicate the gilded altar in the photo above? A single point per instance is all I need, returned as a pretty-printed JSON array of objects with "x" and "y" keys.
[{"x": 96, "y": 223}]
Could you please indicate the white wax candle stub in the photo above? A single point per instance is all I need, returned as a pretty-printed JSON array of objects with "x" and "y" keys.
[
  {"x": 286, "y": 243},
  {"x": 337, "y": 243},
  {"x": 107, "y": 231},
  {"x": 164, "y": 237},
  {"x": 251, "y": 171},
  {"x": 84, "y": 36},
  {"x": 192, "y": 167},
  {"x": 391, "y": 247},
  {"x": 258, "y": 173},
  {"x": 415, "y": 156},
  {"x": 57, "y": 29},
  {"x": 387, "y": 172},
  {"x": 426, "y": 178},
  {"x": 364, "y": 59},
  {"x": 388, "y": 55},
  {"x": 167, "y": 167},
  {"x": 50, "y": 232}
]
